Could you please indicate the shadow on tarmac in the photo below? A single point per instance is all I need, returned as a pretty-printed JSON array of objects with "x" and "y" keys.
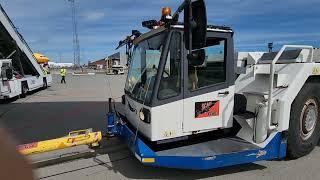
[
  {"x": 31, "y": 122},
  {"x": 8, "y": 101},
  {"x": 131, "y": 168}
]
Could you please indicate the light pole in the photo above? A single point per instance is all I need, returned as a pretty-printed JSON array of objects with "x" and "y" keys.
[{"x": 76, "y": 45}]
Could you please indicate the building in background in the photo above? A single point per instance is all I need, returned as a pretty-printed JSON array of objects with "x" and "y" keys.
[{"x": 97, "y": 65}]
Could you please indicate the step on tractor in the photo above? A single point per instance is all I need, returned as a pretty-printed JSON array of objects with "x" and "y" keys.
[{"x": 191, "y": 102}]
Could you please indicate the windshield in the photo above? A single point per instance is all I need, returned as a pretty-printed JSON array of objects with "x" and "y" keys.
[{"x": 143, "y": 69}]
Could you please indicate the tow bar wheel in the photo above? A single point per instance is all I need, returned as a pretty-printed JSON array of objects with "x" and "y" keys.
[{"x": 304, "y": 127}]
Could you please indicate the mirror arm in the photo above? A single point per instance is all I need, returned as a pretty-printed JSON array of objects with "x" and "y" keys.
[
  {"x": 180, "y": 9},
  {"x": 190, "y": 26}
]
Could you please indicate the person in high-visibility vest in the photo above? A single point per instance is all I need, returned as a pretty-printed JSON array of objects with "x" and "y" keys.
[{"x": 63, "y": 73}]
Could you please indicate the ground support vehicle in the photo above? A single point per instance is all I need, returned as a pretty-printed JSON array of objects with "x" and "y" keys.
[
  {"x": 20, "y": 72},
  {"x": 114, "y": 67},
  {"x": 190, "y": 104}
]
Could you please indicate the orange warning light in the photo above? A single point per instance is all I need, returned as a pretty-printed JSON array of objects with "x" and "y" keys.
[{"x": 166, "y": 11}]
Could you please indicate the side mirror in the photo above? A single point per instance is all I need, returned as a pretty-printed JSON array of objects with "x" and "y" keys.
[
  {"x": 9, "y": 73},
  {"x": 197, "y": 57},
  {"x": 195, "y": 24}
]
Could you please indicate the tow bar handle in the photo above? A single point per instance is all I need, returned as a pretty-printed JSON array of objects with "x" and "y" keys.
[{"x": 110, "y": 105}]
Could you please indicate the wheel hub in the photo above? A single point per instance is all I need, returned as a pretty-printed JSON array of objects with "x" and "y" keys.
[{"x": 308, "y": 119}]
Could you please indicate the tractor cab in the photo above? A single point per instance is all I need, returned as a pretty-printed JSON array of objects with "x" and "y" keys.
[{"x": 172, "y": 90}]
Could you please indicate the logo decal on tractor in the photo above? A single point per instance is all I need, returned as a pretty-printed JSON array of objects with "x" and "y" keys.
[{"x": 207, "y": 109}]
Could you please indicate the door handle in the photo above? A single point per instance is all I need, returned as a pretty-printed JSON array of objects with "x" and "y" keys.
[{"x": 224, "y": 93}]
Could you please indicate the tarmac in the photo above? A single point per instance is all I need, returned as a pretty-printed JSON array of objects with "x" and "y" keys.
[{"x": 82, "y": 104}]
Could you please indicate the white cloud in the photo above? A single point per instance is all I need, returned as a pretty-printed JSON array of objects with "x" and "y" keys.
[{"x": 93, "y": 16}]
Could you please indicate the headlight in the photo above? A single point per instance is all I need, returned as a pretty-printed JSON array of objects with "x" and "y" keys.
[
  {"x": 144, "y": 115},
  {"x": 141, "y": 115}
]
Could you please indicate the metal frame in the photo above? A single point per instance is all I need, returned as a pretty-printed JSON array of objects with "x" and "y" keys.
[
  {"x": 16, "y": 36},
  {"x": 271, "y": 81}
]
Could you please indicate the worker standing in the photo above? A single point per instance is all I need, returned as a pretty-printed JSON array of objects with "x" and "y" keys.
[
  {"x": 46, "y": 69},
  {"x": 63, "y": 73}
]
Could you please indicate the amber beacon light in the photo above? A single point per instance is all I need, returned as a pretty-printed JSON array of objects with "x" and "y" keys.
[{"x": 166, "y": 11}]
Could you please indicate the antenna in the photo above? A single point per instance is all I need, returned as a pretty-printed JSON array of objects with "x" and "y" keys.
[
  {"x": 76, "y": 45},
  {"x": 270, "y": 46}
]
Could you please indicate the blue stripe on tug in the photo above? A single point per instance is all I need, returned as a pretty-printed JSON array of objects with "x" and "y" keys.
[{"x": 276, "y": 149}]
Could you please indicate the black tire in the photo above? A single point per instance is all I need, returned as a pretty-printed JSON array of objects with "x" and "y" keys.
[
  {"x": 304, "y": 127},
  {"x": 24, "y": 90},
  {"x": 115, "y": 72}
]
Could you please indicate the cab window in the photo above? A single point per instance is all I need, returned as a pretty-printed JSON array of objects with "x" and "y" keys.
[
  {"x": 170, "y": 84},
  {"x": 213, "y": 69}
]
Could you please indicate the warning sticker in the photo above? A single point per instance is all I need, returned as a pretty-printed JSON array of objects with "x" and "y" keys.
[{"x": 207, "y": 109}]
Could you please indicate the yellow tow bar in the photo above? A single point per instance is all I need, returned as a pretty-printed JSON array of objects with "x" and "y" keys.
[{"x": 74, "y": 138}]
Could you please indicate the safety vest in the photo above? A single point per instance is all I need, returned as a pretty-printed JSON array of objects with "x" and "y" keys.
[
  {"x": 46, "y": 70},
  {"x": 63, "y": 72}
]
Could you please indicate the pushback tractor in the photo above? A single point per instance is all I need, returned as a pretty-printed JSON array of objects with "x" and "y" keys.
[{"x": 192, "y": 103}]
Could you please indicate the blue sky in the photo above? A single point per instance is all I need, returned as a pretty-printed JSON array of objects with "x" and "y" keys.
[{"x": 46, "y": 24}]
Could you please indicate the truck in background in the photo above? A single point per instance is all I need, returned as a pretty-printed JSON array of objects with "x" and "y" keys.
[
  {"x": 20, "y": 72},
  {"x": 116, "y": 63}
]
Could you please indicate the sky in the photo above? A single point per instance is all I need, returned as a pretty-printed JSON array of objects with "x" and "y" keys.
[{"x": 47, "y": 24}]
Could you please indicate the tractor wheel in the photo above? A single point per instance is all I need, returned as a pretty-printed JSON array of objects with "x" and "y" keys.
[{"x": 304, "y": 127}]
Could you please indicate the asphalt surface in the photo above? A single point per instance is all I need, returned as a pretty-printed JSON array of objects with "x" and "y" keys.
[{"x": 81, "y": 103}]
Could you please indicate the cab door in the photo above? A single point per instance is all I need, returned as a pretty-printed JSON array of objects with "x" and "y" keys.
[{"x": 209, "y": 87}]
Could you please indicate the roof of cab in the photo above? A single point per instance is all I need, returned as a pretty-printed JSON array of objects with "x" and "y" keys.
[{"x": 153, "y": 32}]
